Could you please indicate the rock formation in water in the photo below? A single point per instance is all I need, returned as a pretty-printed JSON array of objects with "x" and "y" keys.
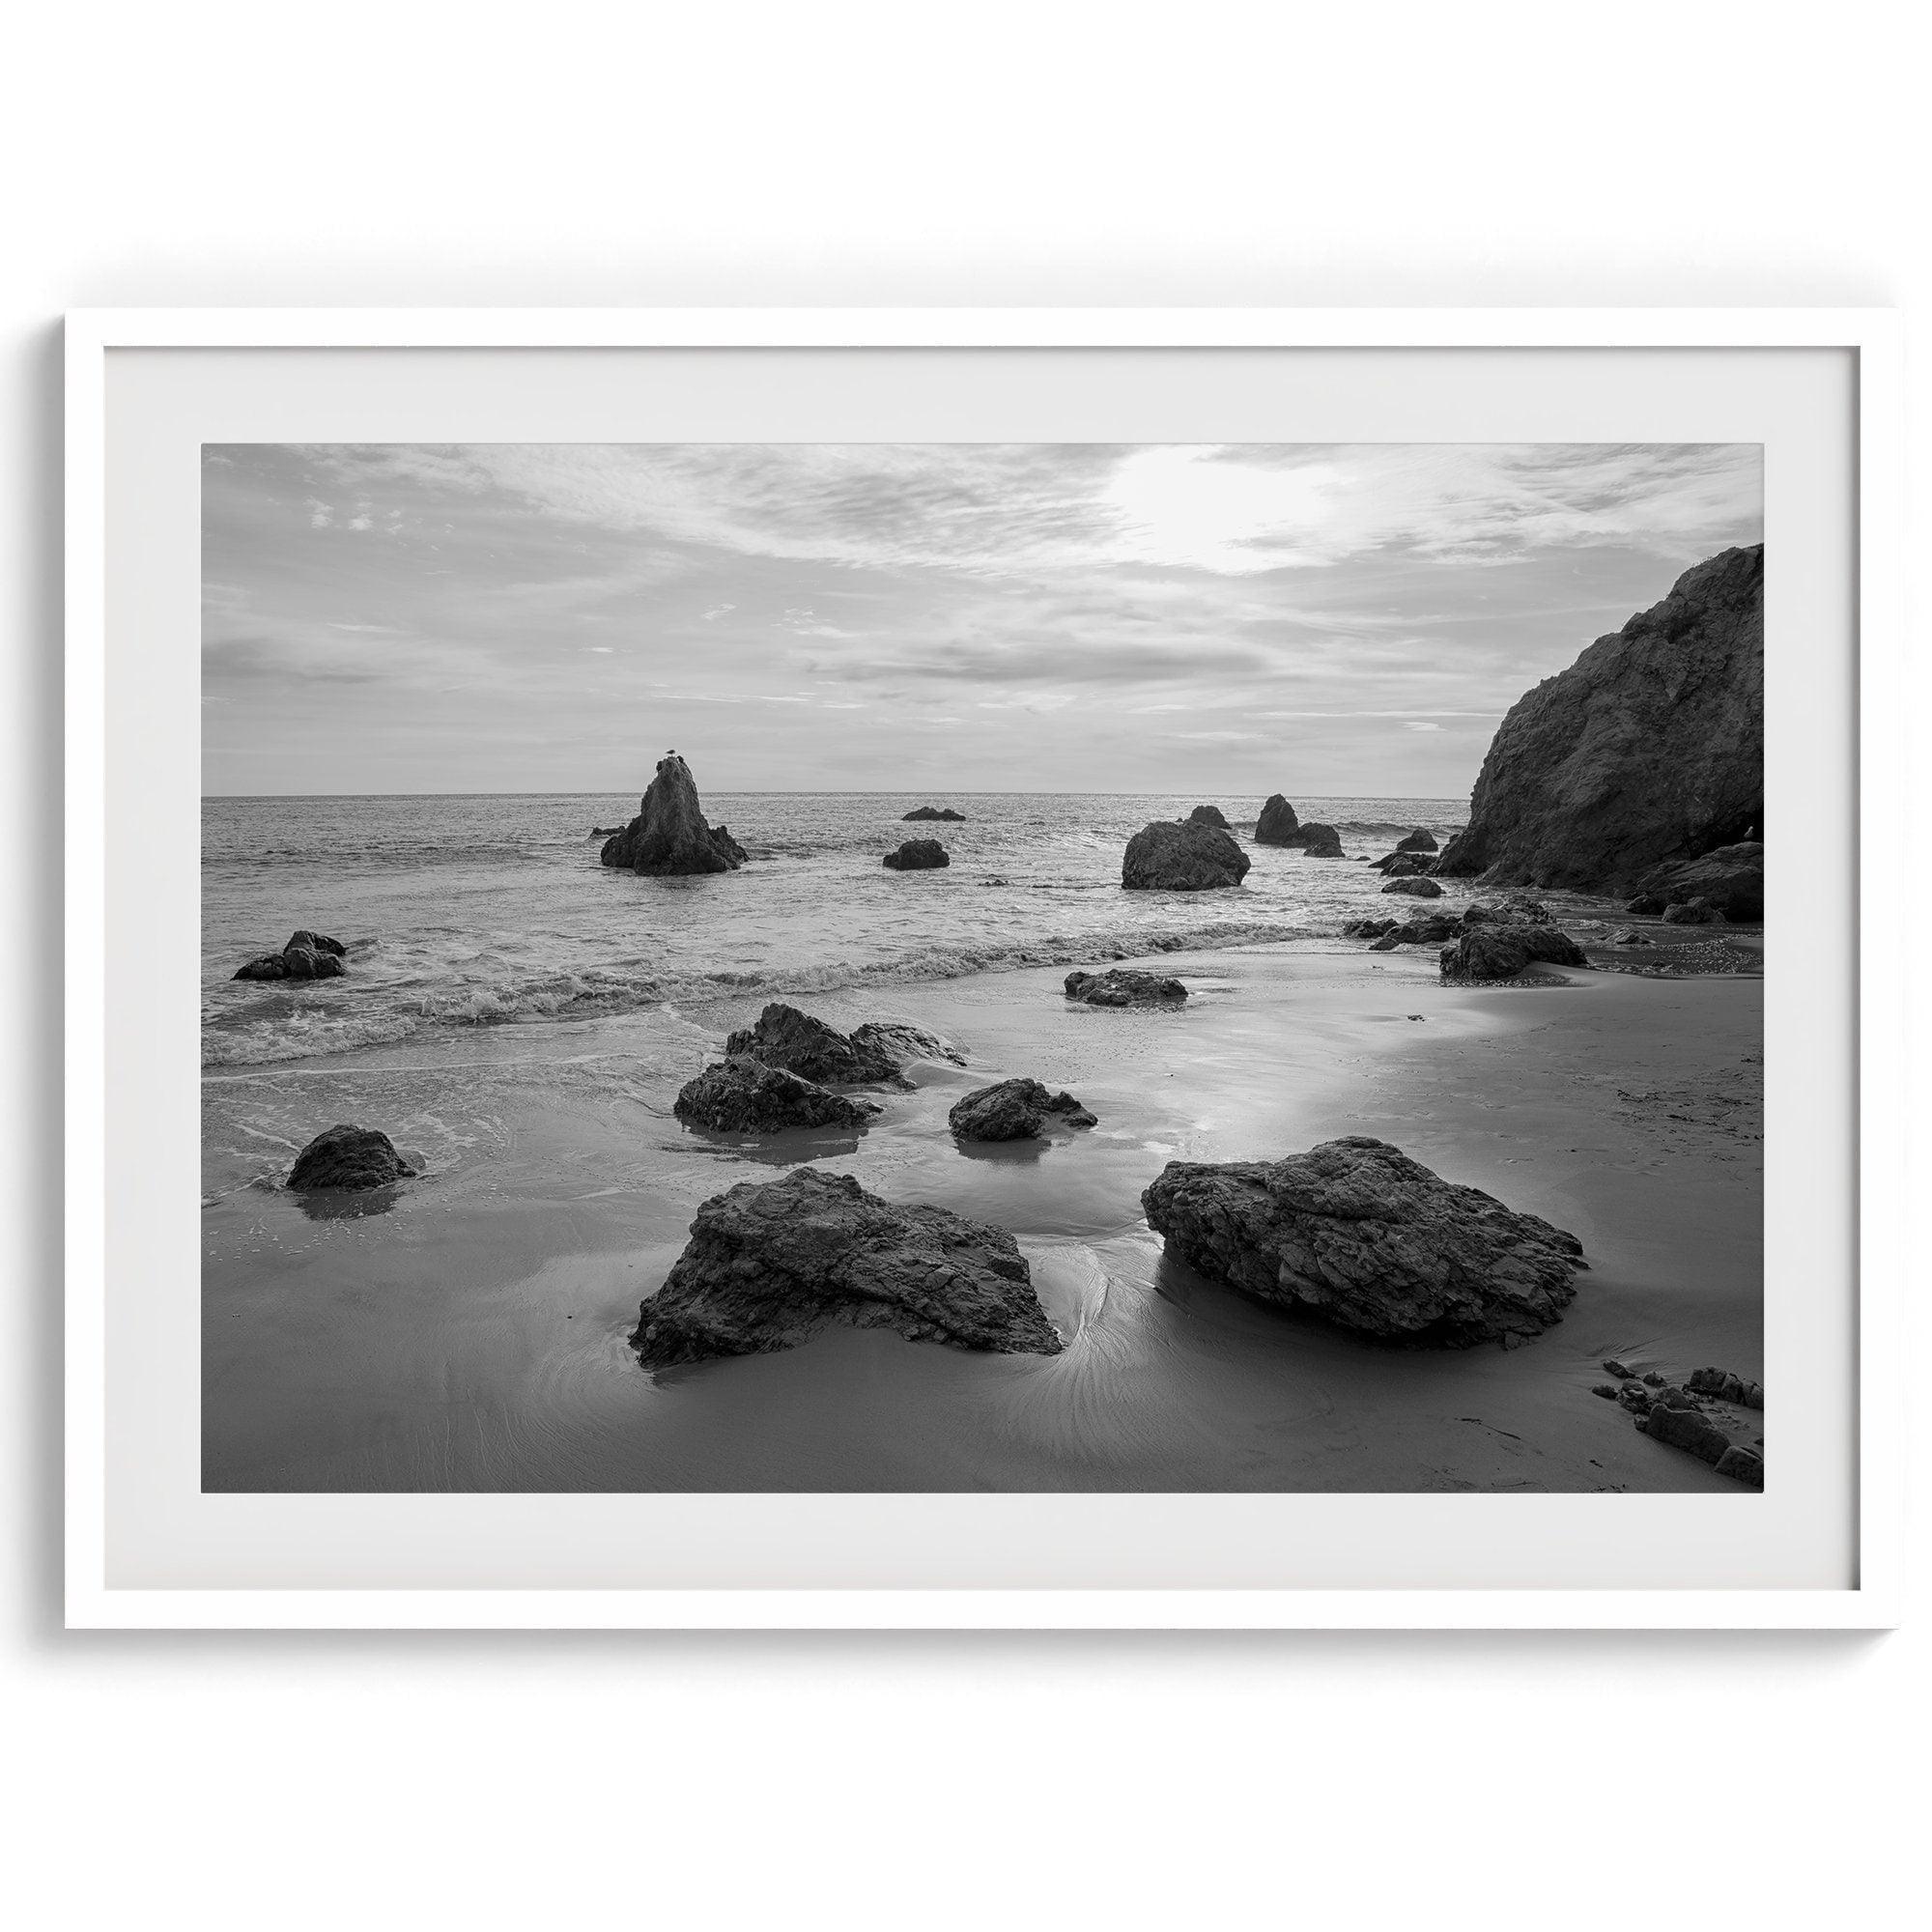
[
  {"x": 1316, "y": 841},
  {"x": 1277, "y": 825},
  {"x": 669, "y": 837},
  {"x": 1403, "y": 864},
  {"x": 1503, "y": 951},
  {"x": 1417, "y": 840},
  {"x": 1016, "y": 1110},
  {"x": 743, "y": 1095},
  {"x": 1414, "y": 886},
  {"x": 1209, "y": 815},
  {"x": 902, "y": 1044},
  {"x": 1172, "y": 857},
  {"x": 803, "y": 1044},
  {"x": 307, "y": 955},
  {"x": 1730, "y": 880},
  {"x": 771, "y": 1264},
  {"x": 348, "y": 1157},
  {"x": 934, "y": 811},
  {"x": 1648, "y": 750},
  {"x": 918, "y": 855},
  {"x": 1122, "y": 986},
  {"x": 1358, "y": 1234}
]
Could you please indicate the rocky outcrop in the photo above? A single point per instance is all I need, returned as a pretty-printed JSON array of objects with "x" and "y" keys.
[
  {"x": 918, "y": 855},
  {"x": 770, "y": 1265},
  {"x": 902, "y": 1044},
  {"x": 307, "y": 955},
  {"x": 1694, "y": 912},
  {"x": 348, "y": 1157},
  {"x": 804, "y": 1044},
  {"x": 743, "y": 1095},
  {"x": 1318, "y": 841},
  {"x": 1209, "y": 815},
  {"x": 1016, "y": 1110},
  {"x": 1277, "y": 825},
  {"x": 934, "y": 813},
  {"x": 1729, "y": 880},
  {"x": 669, "y": 837},
  {"x": 604, "y": 831},
  {"x": 1417, "y": 840},
  {"x": 1414, "y": 886},
  {"x": 1356, "y": 1233},
  {"x": 1489, "y": 952},
  {"x": 1649, "y": 749},
  {"x": 1402, "y": 865},
  {"x": 1122, "y": 986},
  {"x": 1171, "y": 856},
  {"x": 1724, "y": 1386}
]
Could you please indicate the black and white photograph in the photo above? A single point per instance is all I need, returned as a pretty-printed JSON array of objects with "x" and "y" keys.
[{"x": 983, "y": 967}]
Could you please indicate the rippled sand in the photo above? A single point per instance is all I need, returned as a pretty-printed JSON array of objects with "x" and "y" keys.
[{"x": 469, "y": 1334}]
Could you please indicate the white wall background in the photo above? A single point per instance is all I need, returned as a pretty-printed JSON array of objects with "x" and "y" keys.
[{"x": 415, "y": 153}]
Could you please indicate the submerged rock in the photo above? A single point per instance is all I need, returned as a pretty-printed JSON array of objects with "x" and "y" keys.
[
  {"x": 918, "y": 855},
  {"x": 670, "y": 837},
  {"x": 804, "y": 1044},
  {"x": 1277, "y": 825},
  {"x": 933, "y": 811},
  {"x": 1016, "y": 1110},
  {"x": 1414, "y": 888},
  {"x": 771, "y": 1264},
  {"x": 348, "y": 1157},
  {"x": 1171, "y": 857},
  {"x": 743, "y": 1095},
  {"x": 1209, "y": 815},
  {"x": 1503, "y": 951},
  {"x": 1418, "y": 840},
  {"x": 1649, "y": 749},
  {"x": 1356, "y": 1233},
  {"x": 1123, "y": 987}
]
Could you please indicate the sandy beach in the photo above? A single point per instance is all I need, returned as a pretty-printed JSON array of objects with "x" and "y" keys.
[{"x": 472, "y": 1334}]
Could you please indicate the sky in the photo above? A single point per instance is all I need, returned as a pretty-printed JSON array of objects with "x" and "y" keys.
[{"x": 1320, "y": 620}]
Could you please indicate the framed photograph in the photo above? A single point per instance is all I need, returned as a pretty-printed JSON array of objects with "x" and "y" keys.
[{"x": 953, "y": 969}]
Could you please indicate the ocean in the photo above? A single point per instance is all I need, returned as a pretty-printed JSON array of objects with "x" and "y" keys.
[{"x": 464, "y": 912}]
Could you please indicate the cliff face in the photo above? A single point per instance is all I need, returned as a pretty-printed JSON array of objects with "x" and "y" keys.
[
  {"x": 669, "y": 835},
  {"x": 1649, "y": 749}
]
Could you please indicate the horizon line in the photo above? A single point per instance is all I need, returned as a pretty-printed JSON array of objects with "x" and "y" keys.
[{"x": 807, "y": 791}]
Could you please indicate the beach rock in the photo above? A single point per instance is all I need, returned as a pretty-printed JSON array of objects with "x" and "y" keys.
[
  {"x": 1367, "y": 928},
  {"x": 1355, "y": 1231},
  {"x": 1617, "y": 1368},
  {"x": 306, "y": 955},
  {"x": 771, "y": 1264},
  {"x": 1503, "y": 951},
  {"x": 1123, "y": 987},
  {"x": 1514, "y": 910},
  {"x": 1277, "y": 824},
  {"x": 901, "y": 1044},
  {"x": 1646, "y": 905},
  {"x": 1630, "y": 939},
  {"x": 1608, "y": 1390},
  {"x": 1652, "y": 1379},
  {"x": 1694, "y": 912},
  {"x": 918, "y": 855},
  {"x": 1649, "y": 749},
  {"x": 1209, "y": 815},
  {"x": 1414, "y": 888},
  {"x": 1417, "y": 840},
  {"x": 1635, "y": 1398},
  {"x": 348, "y": 1157},
  {"x": 1684, "y": 1429},
  {"x": 1316, "y": 840},
  {"x": 1387, "y": 943},
  {"x": 1016, "y": 1110},
  {"x": 1730, "y": 880},
  {"x": 313, "y": 942},
  {"x": 1741, "y": 1464},
  {"x": 1727, "y": 1387},
  {"x": 669, "y": 837},
  {"x": 1171, "y": 856},
  {"x": 804, "y": 1044},
  {"x": 604, "y": 831},
  {"x": 743, "y": 1095},
  {"x": 1402, "y": 865},
  {"x": 934, "y": 811}
]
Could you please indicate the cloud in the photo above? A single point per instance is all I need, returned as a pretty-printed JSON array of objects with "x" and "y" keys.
[{"x": 1417, "y": 724}]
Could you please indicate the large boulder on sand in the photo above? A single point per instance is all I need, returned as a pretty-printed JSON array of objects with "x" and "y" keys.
[
  {"x": 348, "y": 1157},
  {"x": 1122, "y": 986},
  {"x": 1182, "y": 858},
  {"x": 1417, "y": 840},
  {"x": 1209, "y": 815},
  {"x": 918, "y": 855},
  {"x": 743, "y": 1095},
  {"x": 1014, "y": 1110},
  {"x": 1414, "y": 886},
  {"x": 1649, "y": 749},
  {"x": 770, "y": 1265},
  {"x": 1356, "y": 1233},
  {"x": 669, "y": 837},
  {"x": 1277, "y": 825},
  {"x": 1487, "y": 951},
  {"x": 804, "y": 1044},
  {"x": 1729, "y": 880}
]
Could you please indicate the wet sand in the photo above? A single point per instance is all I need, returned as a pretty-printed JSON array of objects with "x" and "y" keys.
[{"x": 469, "y": 1333}]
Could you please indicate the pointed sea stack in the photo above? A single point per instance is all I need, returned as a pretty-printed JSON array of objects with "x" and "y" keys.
[
  {"x": 670, "y": 835},
  {"x": 1277, "y": 825}
]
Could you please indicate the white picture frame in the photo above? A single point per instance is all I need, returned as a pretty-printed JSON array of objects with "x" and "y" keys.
[{"x": 1871, "y": 1598}]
